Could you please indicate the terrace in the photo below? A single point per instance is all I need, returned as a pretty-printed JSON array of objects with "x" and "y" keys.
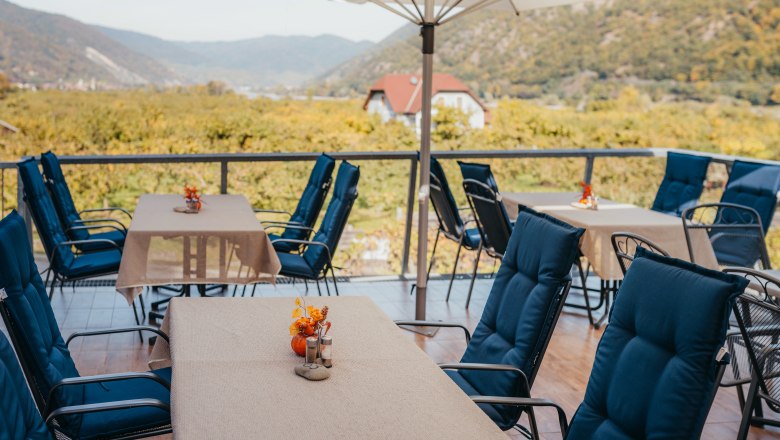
[{"x": 95, "y": 303}]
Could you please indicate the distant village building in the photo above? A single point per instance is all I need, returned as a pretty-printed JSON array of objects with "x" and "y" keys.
[
  {"x": 6, "y": 128},
  {"x": 399, "y": 97}
]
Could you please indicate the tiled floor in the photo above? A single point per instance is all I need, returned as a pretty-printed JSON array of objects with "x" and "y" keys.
[{"x": 563, "y": 375}]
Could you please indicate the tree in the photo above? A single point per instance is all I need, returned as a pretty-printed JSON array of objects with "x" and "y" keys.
[{"x": 5, "y": 85}]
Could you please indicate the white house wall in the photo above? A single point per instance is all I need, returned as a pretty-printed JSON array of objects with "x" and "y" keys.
[
  {"x": 380, "y": 105},
  {"x": 466, "y": 103}
]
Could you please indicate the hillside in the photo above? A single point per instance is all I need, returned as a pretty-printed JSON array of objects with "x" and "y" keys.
[
  {"x": 256, "y": 62},
  {"x": 42, "y": 48},
  {"x": 695, "y": 49}
]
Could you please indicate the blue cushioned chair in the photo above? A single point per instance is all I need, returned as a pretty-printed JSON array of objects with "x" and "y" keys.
[
  {"x": 316, "y": 259},
  {"x": 682, "y": 184},
  {"x": 738, "y": 224},
  {"x": 77, "y": 228},
  {"x": 658, "y": 365},
  {"x": 493, "y": 221},
  {"x": 504, "y": 355},
  {"x": 301, "y": 222},
  {"x": 20, "y": 418},
  {"x": 451, "y": 225},
  {"x": 48, "y": 366}
]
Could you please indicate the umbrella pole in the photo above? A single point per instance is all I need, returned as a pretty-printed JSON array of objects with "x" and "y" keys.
[{"x": 425, "y": 172}]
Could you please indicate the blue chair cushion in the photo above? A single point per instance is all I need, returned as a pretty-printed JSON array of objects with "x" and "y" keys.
[
  {"x": 61, "y": 196},
  {"x": 471, "y": 239},
  {"x": 655, "y": 372},
  {"x": 20, "y": 418},
  {"x": 43, "y": 348},
  {"x": 522, "y": 307},
  {"x": 310, "y": 203},
  {"x": 438, "y": 171},
  {"x": 682, "y": 184},
  {"x": 283, "y": 246},
  {"x": 754, "y": 185},
  {"x": 294, "y": 265},
  {"x": 336, "y": 216},
  {"x": 126, "y": 421},
  {"x": 94, "y": 264},
  {"x": 44, "y": 214},
  {"x": 115, "y": 236},
  {"x": 464, "y": 385}
]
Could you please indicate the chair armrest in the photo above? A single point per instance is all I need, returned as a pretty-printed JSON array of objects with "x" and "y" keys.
[
  {"x": 83, "y": 222},
  {"x": 746, "y": 211},
  {"x": 307, "y": 243},
  {"x": 437, "y": 324},
  {"x": 287, "y": 226},
  {"x": 91, "y": 227},
  {"x": 491, "y": 367},
  {"x": 109, "y": 209},
  {"x": 526, "y": 401},
  {"x": 110, "y": 331},
  {"x": 281, "y": 223},
  {"x": 91, "y": 240},
  {"x": 101, "y": 378},
  {"x": 105, "y": 406},
  {"x": 272, "y": 211}
]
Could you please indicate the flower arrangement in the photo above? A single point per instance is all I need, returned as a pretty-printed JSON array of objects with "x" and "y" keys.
[
  {"x": 587, "y": 193},
  {"x": 192, "y": 198},
  {"x": 308, "y": 321}
]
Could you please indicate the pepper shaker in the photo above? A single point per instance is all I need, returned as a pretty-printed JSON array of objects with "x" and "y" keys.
[
  {"x": 311, "y": 350},
  {"x": 326, "y": 351}
]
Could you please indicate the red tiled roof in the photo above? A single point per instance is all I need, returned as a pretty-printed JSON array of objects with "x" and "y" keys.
[{"x": 404, "y": 92}]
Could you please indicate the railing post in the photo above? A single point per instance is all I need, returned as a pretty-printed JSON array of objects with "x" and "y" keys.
[
  {"x": 223, "y": 177},
  {"x": 588, "y": 169},
  {"x": 21, "y": 207},
  {"x": 409, "y": 216}
]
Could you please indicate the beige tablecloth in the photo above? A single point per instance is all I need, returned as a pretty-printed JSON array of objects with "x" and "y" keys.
[
  {"x": 222, "y": 244},
  {"x": 664, "y": 230},
  {"x": 233, "y": 376}
]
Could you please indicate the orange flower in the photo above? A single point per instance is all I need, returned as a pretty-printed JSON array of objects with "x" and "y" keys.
[{"x": 316, "y": 315}]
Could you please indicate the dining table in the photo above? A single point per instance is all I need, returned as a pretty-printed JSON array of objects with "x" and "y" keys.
[
  {"x": 221, "y": 244},
  {"x": 233, "y": 376}
]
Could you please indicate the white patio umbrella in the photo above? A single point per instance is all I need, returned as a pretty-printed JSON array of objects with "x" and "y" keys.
[{"x": 428, "y": 14}]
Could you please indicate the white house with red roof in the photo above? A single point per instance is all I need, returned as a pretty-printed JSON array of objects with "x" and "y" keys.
[{"x": 400, "y": 97}]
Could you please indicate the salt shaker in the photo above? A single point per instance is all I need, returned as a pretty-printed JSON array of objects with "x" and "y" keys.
[
  {"x": 311, "y": 350},
  {"x": 326, "y": 351}
]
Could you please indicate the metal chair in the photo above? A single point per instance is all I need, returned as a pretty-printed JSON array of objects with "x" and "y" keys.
[
  {"x": 451, "y": 225},
  {"x": 76, "y": 227},
  {"x": 316, "y": 258},
  {"x": 492, "y": 219},
  {"x": 758, "y": 316},
  {"x": 737, "y": 225},
  {"x": 657, "y": 366},
  {"x": 625, "y": 244},
  {"x": 308, "y": 209},
  {"x": 126, "y": 405},
  {"x": 509, "y": 343},
  {"x": 682, "y": 184}
]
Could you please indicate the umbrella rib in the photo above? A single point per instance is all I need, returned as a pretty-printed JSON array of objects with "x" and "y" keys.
[
  {"x": 445, "y": 10},
  {"x": 473, "y": 8},
  {"x": 419, "y": 12},
  {"x": 396, "y": 12},
  {"x": 408, "y": 11},
  {"x": 517, "y": 11}
]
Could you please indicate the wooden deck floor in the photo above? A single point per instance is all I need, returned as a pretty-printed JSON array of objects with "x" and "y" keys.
[{"x": 563, "y": 376}]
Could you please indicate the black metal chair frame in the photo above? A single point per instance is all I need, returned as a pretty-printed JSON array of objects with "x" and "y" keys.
[
  {"x": 526, "y": 381},
  {"x": 456, "y": 236},
  {"x": 620, "y": 244},
  {"x": 751, "y": 405},
  {"x": 495, "y": 200},
  {"x": 43, "y": 400},
  {"x": 743, "y": 212}
]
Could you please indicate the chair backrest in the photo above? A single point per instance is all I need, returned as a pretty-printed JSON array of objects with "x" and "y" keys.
[
  {"x": 30, "y": 321},
  {"x": 44, "y": 215},
  {"x": 523, "y": 306},
  {"x": 753, "y": 185},
  {"x": 484, "y": 199},
  {"x": 443, "y": 202},
  {"x": 335, "y": 220},
  {"x": 625, "y": 243},
  {"x": 656, "y": 369},
  {"x": 682, "y": 184},
  {"x": 758, "y": 314},
  {"x": 20, "y": 419},
  {"x": 313, "y": 197},
  {"x": 60, "y": 194}
]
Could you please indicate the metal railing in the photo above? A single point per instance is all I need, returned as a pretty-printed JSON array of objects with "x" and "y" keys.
[{"x": 224, "y": 160}]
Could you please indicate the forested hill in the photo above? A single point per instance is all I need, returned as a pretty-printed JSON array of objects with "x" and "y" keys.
[{"x": 691, "y": 48}]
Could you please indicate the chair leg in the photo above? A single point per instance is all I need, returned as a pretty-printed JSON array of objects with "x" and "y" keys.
[
  {"x": 454, "y": 268},
  {"x": 474, "y": 275},
  {"x": 51, "y": 287},
  {"x": 335, "y": 285},
  {"x": 433, "y": 254},
  {"x": 138, "y": 322},
  {"x": 325, "y": 280},
  {"x": 318, "y": 287},
  {"x": 532, "y": 422},
  {"x": 747, "y": 412},
  {"x": 143, "y": 306},
  {"x": 253, "y": 290},
  {"x": 305, "y": 283}
]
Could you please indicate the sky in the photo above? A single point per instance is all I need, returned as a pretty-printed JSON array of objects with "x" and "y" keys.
[{"x": 210, "y": 20}]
